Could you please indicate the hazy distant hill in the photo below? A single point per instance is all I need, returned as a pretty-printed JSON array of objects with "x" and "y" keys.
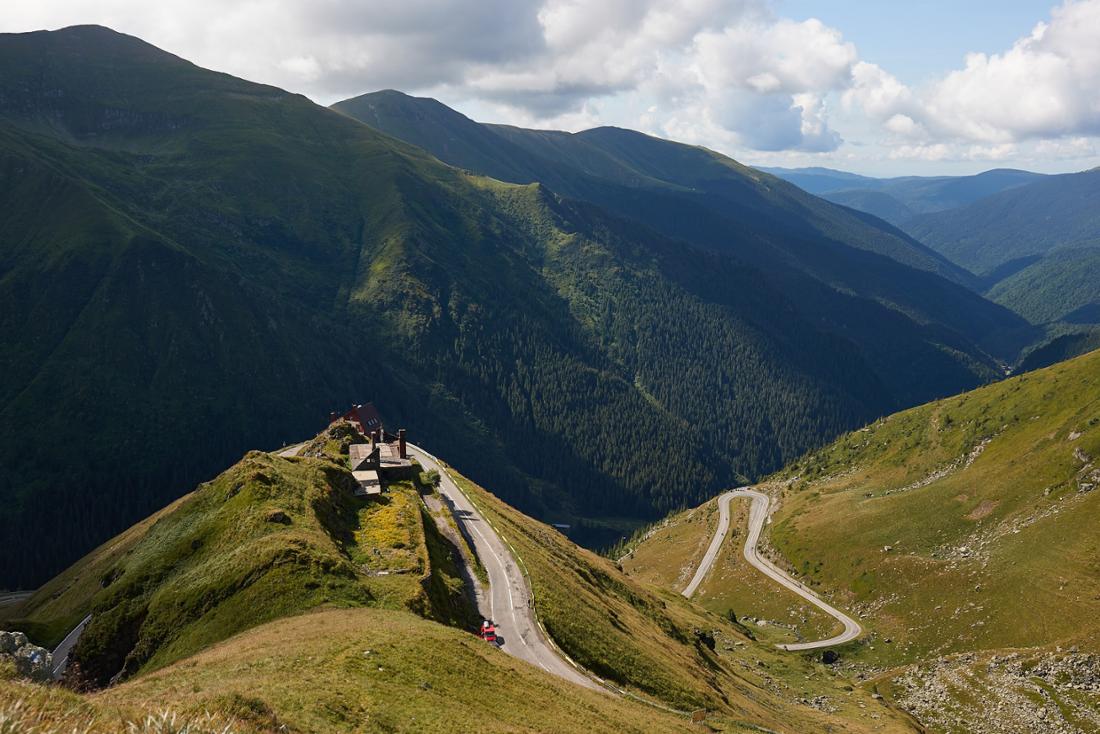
[
  {"x": 1037, "y": 245},
  {"x": 874, "y": 202},
  {"x": 1054, "y": 212},
  {"x": 897, "y": 200},
  {"x": 1032, "y": 238},
  {"x": 818, "y": 180}
]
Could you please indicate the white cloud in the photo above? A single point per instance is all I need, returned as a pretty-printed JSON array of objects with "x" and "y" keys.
[
  {"x": 754, "y": 79},
  {"x": 1043, "y": 87},
  {"x": 730, "y": 74},
  {"x": 878, "y": 93},
  {"x": 765, "y": 81}
]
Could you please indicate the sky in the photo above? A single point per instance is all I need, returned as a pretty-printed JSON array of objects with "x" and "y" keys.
[{"x": 881, "y": 88}]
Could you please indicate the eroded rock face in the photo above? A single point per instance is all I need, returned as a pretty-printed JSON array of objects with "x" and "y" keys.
[{"x": 30, "y": 661}]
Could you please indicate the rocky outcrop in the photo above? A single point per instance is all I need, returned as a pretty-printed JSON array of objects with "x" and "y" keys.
[
  {"x": 1053, "y": 692},
  {"x": 29, "y": 661},
  {"x": 1089, "y": 476}
]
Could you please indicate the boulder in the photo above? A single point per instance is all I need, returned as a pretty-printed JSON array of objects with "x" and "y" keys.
[
  {"x": 11, "y": 641},
  {"x": 278, "y": 516},
  {"x": 30, "y": 661},
  {"x": 704, "y": 637},
  {"x": 33, "y": 662}
]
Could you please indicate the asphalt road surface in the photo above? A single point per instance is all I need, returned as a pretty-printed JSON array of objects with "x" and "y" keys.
[
  {"x": 61, "y": 654},
  {"x": 11, "y": 598},
  {"x": 508, "y": 601},
  {"x": 758, "y": 514},
  {"x": 290, "y": 451}
]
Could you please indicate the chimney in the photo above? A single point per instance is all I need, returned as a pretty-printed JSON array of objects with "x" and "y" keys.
[
  {"x": 401, "y": 443},
  {"x": 372, "y": 441},
  {"x": 332, "y": 417}
]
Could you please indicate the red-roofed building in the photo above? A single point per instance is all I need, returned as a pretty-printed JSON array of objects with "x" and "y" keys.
[{"x": 364, "y": 416}]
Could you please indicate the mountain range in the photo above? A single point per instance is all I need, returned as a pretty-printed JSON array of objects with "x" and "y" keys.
[
  {"x": 1036, "y": 245},
  {"x": 194, "y": 264}
]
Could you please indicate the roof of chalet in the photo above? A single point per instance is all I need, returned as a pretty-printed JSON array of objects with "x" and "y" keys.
[{"x": 366, "y": 415}]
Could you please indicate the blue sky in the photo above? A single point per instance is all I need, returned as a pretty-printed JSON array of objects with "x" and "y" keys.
[
  {"x": 920, "y": 41},
  {"x": 883, "y": 88}
]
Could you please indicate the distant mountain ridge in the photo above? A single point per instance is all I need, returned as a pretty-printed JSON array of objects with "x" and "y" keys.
[
  {"x": 1033, "y": 239},
  {"x": 1037, "y": 245},
  {"x": 898, "y": 200},
  {"x": 619, "y": 169},
  {"x": 1054, "y": 212}
]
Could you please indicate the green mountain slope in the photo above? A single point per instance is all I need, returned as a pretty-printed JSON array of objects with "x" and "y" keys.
[
  {"x": 269, "y": 538},
  {"x": 977, "y": 497},
  {"x": 1053, "y": 212},
  {"x": 1060, "y": 286},
  {"x": 807, "y": 248},
  {"x": 192, "y": 264},
  {"x": 654, "y": 642},
  {"x": 930, "y": 522},
  {"x": 880, "y": 204},
  {"x": 962, "y": 535}
]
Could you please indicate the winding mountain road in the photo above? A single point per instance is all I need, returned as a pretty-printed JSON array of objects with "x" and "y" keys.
[
  {"x": 758, "y": 514},
  {"x": 508, "y": 601}
]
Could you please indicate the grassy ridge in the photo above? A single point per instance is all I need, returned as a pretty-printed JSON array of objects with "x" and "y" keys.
[
  {"x": 933, "y": 521},
  {"x": 270, "y": 537}
]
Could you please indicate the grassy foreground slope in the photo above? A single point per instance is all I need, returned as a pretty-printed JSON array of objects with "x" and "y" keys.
[
  {"x": 351, "y": 670},
  {"x": 962, "y": 533},
  {"x": 259, "y": 601},
  {"x": 964, "y": 524}
]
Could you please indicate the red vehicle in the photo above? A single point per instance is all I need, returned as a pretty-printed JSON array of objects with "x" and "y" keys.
[{"x": 489, "y": 632}]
